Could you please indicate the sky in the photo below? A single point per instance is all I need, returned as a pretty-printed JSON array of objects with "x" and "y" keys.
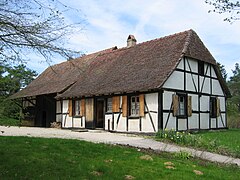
[{"x": 108, "y": 23}]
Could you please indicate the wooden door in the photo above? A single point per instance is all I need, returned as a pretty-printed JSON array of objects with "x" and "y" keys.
[{"x": 100, "y": 113}]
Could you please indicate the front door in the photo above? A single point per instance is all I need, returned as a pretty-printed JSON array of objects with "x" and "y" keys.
[{"x": 100, "y": 113}]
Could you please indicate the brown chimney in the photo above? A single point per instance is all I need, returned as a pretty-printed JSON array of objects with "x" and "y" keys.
[{"x": 131, "y": 41}]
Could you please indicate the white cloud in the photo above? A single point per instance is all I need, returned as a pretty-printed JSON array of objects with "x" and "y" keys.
[{"x": 110, "y": 22}]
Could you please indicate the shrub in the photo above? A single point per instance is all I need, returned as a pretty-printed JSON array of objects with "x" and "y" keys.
[{"x": 186, "y": 138}]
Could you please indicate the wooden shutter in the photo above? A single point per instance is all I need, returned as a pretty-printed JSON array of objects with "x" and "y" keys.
[
  {"x": 115, "y": 103},
  {"x": 175, "y": 104},
  {"x": 124, "y": 106},
  {"x": 82, "y": 107},
  {"x": 218, "y": 107},
  {"x": 70, "y": 109},
  {"x": 141, "y": 105},
  {"x": 189, "y": 106}
]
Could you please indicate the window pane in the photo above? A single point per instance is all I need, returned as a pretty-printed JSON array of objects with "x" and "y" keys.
[
  {"x": 133, "y": 99},
  {"x": 134, "y": 105},
  {"x": 182, "y": 105},
  {"x": 137, "y": 98},
  {"x": 109, "y": 105},
  {"x": 77, "y": 108},
  {"x": 213, "y": 107}
]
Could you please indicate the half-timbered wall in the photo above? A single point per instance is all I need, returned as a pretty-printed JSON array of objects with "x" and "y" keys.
[
  {"x": 147, "y": 123},
  {"x": 68, "y": 119},
  {"x": 186, "y": 79}
]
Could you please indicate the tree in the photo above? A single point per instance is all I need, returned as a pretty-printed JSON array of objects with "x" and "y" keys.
[
  {"x": 230, "y": 7},
  {"x": 34, "y": 25},
  {"x": 223, "y": 71},
  {"x": 234, "y": 86},
  {"x": 12, "y": 79}
]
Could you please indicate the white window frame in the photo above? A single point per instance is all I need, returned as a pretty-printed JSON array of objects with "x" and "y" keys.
[
  {"x": 77, "y": 107},
  {"x": 109, "y": 105},
  {"x": 134, "y": 106}
]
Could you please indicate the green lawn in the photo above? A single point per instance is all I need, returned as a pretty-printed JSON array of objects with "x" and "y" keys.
[
  {"x": 39, "y": 158},
  {"x": 227, "y": 140},
  {"x": 5, "y": 121}
]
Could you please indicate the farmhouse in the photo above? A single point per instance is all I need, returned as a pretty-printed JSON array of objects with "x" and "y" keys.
[{"x": 171, "y": 82}]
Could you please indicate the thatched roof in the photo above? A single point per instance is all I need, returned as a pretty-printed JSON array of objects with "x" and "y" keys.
[{"x": 142, "y": 67}]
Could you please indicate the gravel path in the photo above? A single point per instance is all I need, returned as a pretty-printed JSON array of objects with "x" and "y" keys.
[{"x": 113, "y": 138}]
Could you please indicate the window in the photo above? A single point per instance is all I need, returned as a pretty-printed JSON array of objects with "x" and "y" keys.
[
  {"x": 135, "y": 106},
  {"x": 182, "y": 105},
  {"x": 109, "y": 104},
  {"x": 214, "y": 107},
  {"x": 77, "y": 107},
  {"x": 201, "y": 68}
]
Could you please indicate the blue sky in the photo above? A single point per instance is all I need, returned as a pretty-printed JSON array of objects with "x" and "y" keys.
[{"x": 108, "y": 23}]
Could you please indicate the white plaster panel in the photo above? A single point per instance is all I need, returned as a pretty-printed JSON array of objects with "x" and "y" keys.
[
  {"x": 147, "y": 125},
  {"x": 182, "y": 124},
  {"x": 204, "y": 103},
  {"x": 222, "y": 103},
  {"x": 108, "y": 117},
  {"x": 115, "y": 120},
  {"x": 206, "y": 86},
  {"x": 213, "y": 123},
  {"x": 167, "y": 100},
  {"x": 133, "y": 125},
  {"x": 222, "y": 122},
  {"x": 190, "y": 80},
  {"x": 65, "y": 106},
  {"x": 58, "y": 118},
  {"x": 193, "y": 122},
  {"x": 171, "y": 122},
  {"x": 213, "y": 72},
  {"x": 152, "y": 101},
  {"x": 77, "y": 122},
  {"x": 204, "y": 121},
  {"x": 121, "y": 124},
  {"x": 207, "y": 68},
  {"x": 175, "y": 81},
  {"x": 58, "y": 106},
  {"x": 180, "y": 65},
  {"x": 193, "y": 64},
  {"x": 216, "y": 87},
  {"x": 67, "y": 121},
  {"x": 194, "y": 102}
]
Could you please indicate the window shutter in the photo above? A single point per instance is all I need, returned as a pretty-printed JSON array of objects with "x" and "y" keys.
[
  {"x": 189, "y": 103},
  {"x": 124, "y": 106},
  {"x": 70, "y": 109},
  {"x": 82, "y": 107},
  {"x": 218, "y": 107},
  {"x": 141, "y": 105},
  {"x": 175, "y": 104},
  {"x": 115, "y": 103}
]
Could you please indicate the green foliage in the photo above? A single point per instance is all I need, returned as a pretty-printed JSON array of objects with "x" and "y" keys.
[
  {"x": 41, "y": 158},
  {"x": 234, "y": 86},
  {"x": 12, "y": 79},
  {"x": 185, "y": 138},
  {"x": 223, "y": 71},
  {"x": 225, "y": 142},
  {"x": 4, "y": 121},
  {"x": 183, "y": 155}
]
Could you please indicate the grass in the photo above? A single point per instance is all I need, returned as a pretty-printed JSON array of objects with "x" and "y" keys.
[
  {"x": 6, "y": 121},
  {"x": 39, "y": 158},
  {"x": 225, "y": 142},
  {"x": 228, "y": 140}
]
